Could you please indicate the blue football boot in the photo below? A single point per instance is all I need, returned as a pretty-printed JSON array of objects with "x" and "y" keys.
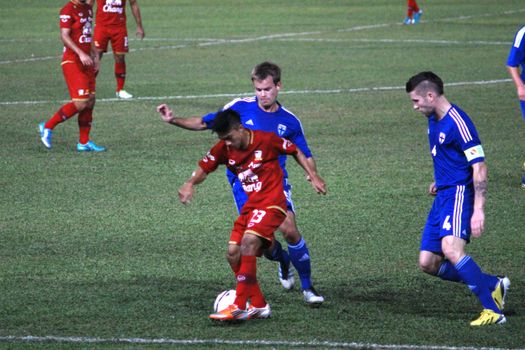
[{"x": 90, "y": 147}]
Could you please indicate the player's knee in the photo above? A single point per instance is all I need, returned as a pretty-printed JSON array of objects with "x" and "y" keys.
[
  {"x": 81, "y": 105},
  {"x": 428, "y": 266},
  {"x": 119, "y": 58}
]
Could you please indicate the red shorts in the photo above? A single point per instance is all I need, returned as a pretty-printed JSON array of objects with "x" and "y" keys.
[
  {"x": 262, "y": 223},
  {"x": 80, "y": 80},
  {"x": 117, "y": 35}
]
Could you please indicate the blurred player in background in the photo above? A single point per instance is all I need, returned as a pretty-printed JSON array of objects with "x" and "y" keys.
[
  {"x": 414, "y": 13},
  {"x": 459, "y": 187},
  {"x": 515, "y": 60},
  {"x": 253, "y": 157},
  {"x": 111, "y": 26},
  {"x": 79, "y": 64},
  {"x": 264, "y": 112}
]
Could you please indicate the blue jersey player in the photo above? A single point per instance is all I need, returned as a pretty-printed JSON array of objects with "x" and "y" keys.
[
  {"x": 515, "y": 60},
  {"x": 459, "y": 187},
  {"x": 264, "y": 112}
]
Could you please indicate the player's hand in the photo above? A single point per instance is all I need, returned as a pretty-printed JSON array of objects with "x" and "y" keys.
[
  {"x": 432, "y": 189},
  {"x": 85, "y": 59},
  {"x": 186, "y": 193},
  {"x": 477, "y": 222},
  {"x": 165, "y": 113},
  {"x": 140, "y": 33},
  {"x": 521, "y": 92},
  {"x": 318, "y": 184}
]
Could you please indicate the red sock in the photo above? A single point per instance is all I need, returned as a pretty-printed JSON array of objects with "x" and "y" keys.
[
  {"x": 64, "y": 113},
  {"x": 84, "y": 124},
  {"x": 246, "y": 281},
  {"x": 258, "y": 299},
  {"x": 412, "y": 7},
  {"x": 120, "y": 74}
]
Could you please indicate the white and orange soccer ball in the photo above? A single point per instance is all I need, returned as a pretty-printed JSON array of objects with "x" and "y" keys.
[{"x": 224, "y": 299}]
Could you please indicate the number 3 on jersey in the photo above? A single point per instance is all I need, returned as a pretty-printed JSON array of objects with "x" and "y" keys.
[{"x": 257, "y": 217}]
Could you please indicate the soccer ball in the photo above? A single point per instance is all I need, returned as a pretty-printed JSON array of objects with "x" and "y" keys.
[{"x": 224, "y": 299}]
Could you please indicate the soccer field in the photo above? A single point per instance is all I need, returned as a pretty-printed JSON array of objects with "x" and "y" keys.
[{"x": 97, "y": 252}]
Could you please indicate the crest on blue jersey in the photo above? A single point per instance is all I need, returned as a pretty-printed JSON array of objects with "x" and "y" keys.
[
  {"x": 441, "y": 138},
  {"x": 281, "y": 129}
]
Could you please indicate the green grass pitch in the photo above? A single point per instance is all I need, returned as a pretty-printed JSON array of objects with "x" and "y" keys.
[{"x": 97, "y": 246}]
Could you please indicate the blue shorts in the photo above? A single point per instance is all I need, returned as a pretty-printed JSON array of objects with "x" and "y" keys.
[
  {"x": 450, "y": 216},
  {"x": 240, "y": 196},
  {"x": 522, "y": 104}
]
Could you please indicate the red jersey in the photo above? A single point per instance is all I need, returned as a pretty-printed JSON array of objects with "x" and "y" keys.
[
  {"x": 78, "y": 18},
  {"x": 111, "y": 13},
  {"x": 257, "y": 167}
]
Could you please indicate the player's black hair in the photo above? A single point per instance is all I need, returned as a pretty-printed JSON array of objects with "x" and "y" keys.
[
  {"x": 225, "y": 121},
  {"x": 425, "y": 81},
  {"x": 265, "y": 70}
]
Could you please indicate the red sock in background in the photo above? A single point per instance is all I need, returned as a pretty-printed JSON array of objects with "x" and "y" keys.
[
  {"x": 84, "y": 124},
  {"x": 64, "y": 113},
  {"x": 120, "y": 74},
  {"x": 246, "y": 281}
]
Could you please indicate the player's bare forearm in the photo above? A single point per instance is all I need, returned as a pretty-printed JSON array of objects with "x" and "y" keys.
[
  {"x": 308, "y": 164},
  {"x": 187, "y": 189},
  {"x": 138, "y": 19},
  {"x": 477, "y": 222},
  {"x": 191, "y": 123},
  {"x": 479, "y": 175},
  {"x": 518, "y": 82}
]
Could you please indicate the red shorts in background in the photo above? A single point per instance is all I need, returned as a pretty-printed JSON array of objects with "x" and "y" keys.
[
  {"x": 118, "y": 35},
  {"x": 260, "y": 222},
  {"x": 80, "y": 80}
]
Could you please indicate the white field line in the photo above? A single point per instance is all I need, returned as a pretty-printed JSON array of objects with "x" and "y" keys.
[
  {"x": 251, "y": 343},
  {"x": 410, "y": 41},
  {"x": 212, "y": 42},
  {"x": 289, "y": 92}
]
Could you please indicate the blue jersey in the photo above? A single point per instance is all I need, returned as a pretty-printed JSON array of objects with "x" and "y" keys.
[
  {"x": 281, "y": 122},
  {"x": 455, "y": 147},
  {"x": 517, "y": 52}
]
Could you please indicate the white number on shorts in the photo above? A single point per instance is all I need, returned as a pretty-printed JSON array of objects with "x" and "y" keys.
[
  {"x": 257, "y": 216},
  {"x": 446, "y": 225}
]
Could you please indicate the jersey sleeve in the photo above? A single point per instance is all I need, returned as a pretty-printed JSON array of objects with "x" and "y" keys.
[
  {"x": 208, "y": 119},
  {"x": 215, "y": 157},
  {"x": 517, "y": 51},
  {"x": 299, "y": 139},
  {"x": 282, "y": 145},
  {"x": 469, "y": 140},
  {"x": 66, "y": 18}
]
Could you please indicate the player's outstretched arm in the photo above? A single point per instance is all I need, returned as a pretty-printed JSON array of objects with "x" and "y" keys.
[
  {"x": 315, "y": 180},
  {"x": 187, "y": 189},
  {"x": 479, "y": 174},
  {"x": 191, "y": 123}
]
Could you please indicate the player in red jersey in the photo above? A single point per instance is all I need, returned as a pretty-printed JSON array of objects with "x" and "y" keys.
[
  {"x": 253, "y": 157},
  {"x": 413, "y": 12},
  {"x": 79, "y": 63},
  {"x": 111, "y": 26}
]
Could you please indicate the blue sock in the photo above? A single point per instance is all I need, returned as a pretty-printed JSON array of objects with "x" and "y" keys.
[
  {"x": 447, "y": 271},
  {"x": 278, "y": 254},
  {"x": 300, "y": 257},
  {"x": 474, "y": 278}
]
